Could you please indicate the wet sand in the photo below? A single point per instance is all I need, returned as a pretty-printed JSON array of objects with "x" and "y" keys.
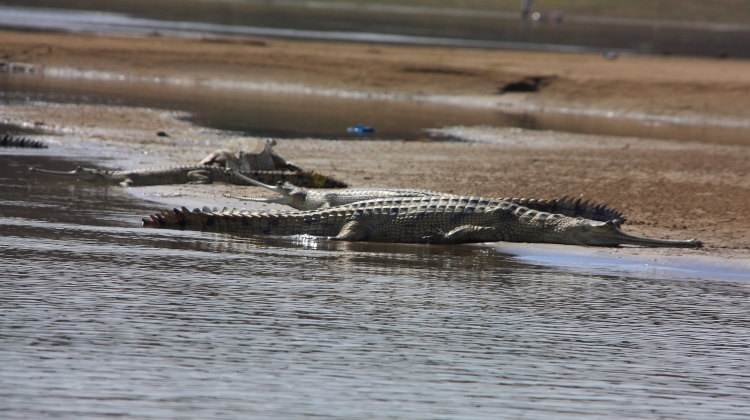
[
  {"x": 688, "y": 87},
  {"x": 667, "y": 189}
]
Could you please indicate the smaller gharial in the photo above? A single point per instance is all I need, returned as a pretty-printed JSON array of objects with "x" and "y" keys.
[
  {"x": 251, "y": 156},
  {"x": 193, "y": 174},
  {"x": 305, "y": 199},
  {"x": 11, "y": 140}
]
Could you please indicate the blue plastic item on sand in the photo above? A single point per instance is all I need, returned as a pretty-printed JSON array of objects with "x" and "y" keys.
[{"x": 361, "y": 129}]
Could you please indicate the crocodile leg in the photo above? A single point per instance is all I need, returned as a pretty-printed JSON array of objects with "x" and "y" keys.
[
  {"x": 199, "y": 177},
  {"x": 466, "y": 233},
  {"x": 353, "y": 230}
]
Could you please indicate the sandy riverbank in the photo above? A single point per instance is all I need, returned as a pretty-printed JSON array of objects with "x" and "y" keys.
[
  {"x": 658, "y": 85},
  {"x": 667, "y": 189}
]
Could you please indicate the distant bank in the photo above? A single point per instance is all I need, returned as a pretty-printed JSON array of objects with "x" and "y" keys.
[{"x": 377, "y": 23}]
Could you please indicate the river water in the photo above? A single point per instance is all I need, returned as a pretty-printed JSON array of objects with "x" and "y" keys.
[
  {"x": 350, "y": 22},
  {"x": 102, "y": 318}
]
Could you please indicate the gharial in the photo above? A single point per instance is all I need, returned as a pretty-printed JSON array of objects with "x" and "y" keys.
[
  {"x": 195, "y": 174},
  {"x": 304, "y": 199},
  {"x": 251, "y": 156},
  {"x": 432, "y": 219}
]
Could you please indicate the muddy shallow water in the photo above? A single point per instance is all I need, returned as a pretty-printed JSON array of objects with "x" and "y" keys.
[
  {"x": 101, "y": 317},
  {"x": 289, "y": 111}
]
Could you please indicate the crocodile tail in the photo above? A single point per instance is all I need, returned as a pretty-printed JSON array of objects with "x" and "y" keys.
[
  {"x": 215, "y": 220},
  {"x": 304, "y": 179},
  {"x": 572, "y": 207},
  {"x": 165, "y": 218},
  {"x": 181, "y": 218},
  {"x": 10, "y": 140},
  {"x": 324, "y": 181}
]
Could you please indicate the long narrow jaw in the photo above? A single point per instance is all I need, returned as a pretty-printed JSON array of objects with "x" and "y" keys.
[
  {"x": 610, "y": 234},
  {"x": 79, "y": 173},
  {"x": 252, "y": 181},
  {"x": 285, "y": 200}
]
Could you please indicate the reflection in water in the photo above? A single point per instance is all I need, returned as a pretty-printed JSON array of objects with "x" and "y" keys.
[{"x": 101, "y": 317}]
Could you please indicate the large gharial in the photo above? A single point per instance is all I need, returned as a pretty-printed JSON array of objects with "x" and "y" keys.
[
  {"x": 432, "y": 219},
  {"x": 304, "y": 199},
  {"x": 195, "y": 174}
]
